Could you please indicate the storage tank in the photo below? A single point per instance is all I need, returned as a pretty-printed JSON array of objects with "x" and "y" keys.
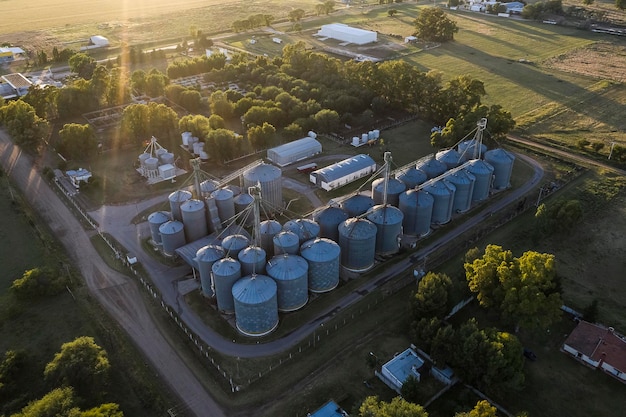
[
  {"x": 242, "y": 202},
  {"x": 191, "y": 142},
  {"x": 357, "y": 204},
  {"x": 142, "y": 159},
  {"x": 329, "y": 220},
  {"x": 252, "y": 260},
  {"x": 176, "y": 199},
  {"x": 357, "y": 240},
  {"x": 172, "y": 236},
  {"x": 225, "y": 272},
  {"x": 185, "y": 137},
  {"x": 234, "y": 188},
  {"x": 268, "y": 229},
  {"x": 151, "y": 164},
  {"x": 225, "y": 203},
  {"x": 160, "y": 152},
  {"x": 464, "y": 182},
  {"x": 291, "y": 275},
  {"x": 269, "y": 177},
  {"x": 388, "y": 221},
  {"x": 417, "y": 207},
  {"x": 256, "y": 305},
  {"x": 395, "y": 187},
  {"x": 155, "y": 220},
  {"x": 194, "y": 219},
  {"x": 166, "y": 158},
  {"x": 207, "y": 187},
  {"x": 502, "y": 162},
  {"x": 286, "y": 242},
  {"x": 443, "y": 195},
  {"x": 412, "y": 177},
  {"x": 469, "y": 149},
  {"x": 235, "y": 243},
  {"x": 305, "y": 229},
  {"x": 483, "y": 172},
  {"x": 206, "y": 256},
  {"x": 450, "y": 157},
  {"x": 432, "y": 167},
  {"x": 323, "y": 257}
]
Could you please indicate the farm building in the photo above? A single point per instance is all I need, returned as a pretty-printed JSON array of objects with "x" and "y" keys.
[
  {"x": 346, "y": 33},
  {"x": 8, "y": 54},
  {"x": 294, "y": 151},
  {"x": 330, "y": 409},
  {"x": 343, "y": 172},
  {"x": 99, "y": 41},
  {"x": 14, "y": 85},
  {"x": 599, "y": 347},
  {"x": 395, "y": 372}
]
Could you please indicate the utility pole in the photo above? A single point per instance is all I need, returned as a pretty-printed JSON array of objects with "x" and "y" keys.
[{"x": 611, "y": 151}]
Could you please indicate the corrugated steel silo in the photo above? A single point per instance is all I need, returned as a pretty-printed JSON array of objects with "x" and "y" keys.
[
  {"x": 291, "y": 275},
  {"x": 176, "y": 199},
  {"x": 155, "y": 220},
  {"x": 268, "y": 229},
  {"x": 207, "y": 187},
  {"x": 483, "y": 172},
  {"x": 329, "y": 220},
  {"x": 172, "y": 236},
  {"x": 464, "y": 183},
  {"x": 412, "y": 177},
  {"x": 450, "y": 157},
  {"x": 225, "y": 272},
  {"x": 469, "y": 149},
  {"x": 235, "y": 243},
  {"x": 443, "y": 195},
  {"x": 502, "y": 162},
  {"x": 417, "y": 207},
  {"x": 432, "y": 167},
  {"x": 167, "y": 158},
  {"x": 286, "y": 242},
  {"x": 323, "y": 256},
  {"x": 252, "y": 260},
  {"x": 234, "y": 188},
  {"x": 388, "y": 221},
  {"x": 142, "y": 159},
  {"x": 206, "y": 256},
  {"x": 242, "y": 202},
  {"x": 357, "y": 204},
  {"x": 305, "y": 229},
  {"x": 225, "y": 203},
  {"x": 256, "y": 305},
  {"x": 194, "y": 219},
  {"x": 270, "y": 179},
  {"x": 151, "y": 164},
  {"x": 395, "y": 187},
  {"x": 357, "y": 240}
]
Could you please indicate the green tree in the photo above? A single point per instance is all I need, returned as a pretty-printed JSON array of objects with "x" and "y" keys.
[
  {"x": 558, "y": 216},
  {"x": 104, "y": 410},
  {"x": 220, "y": 105},
  {"x": 261, "y": 136},
  {"x": 38, "y": 282},
  {"x": 197, "y": 124},
  {"x": 216, "y": 122},
  {"x": 620, "y": 4},
  {"x": 432, "y": 298},
  {"x": 392, "y": 12},
  {"x": 410, "y": 389},
  {"x": 424, "y": 330},
  {"x": 11, "y": 368},
  {"x": 327, "y": 120},
  {"x": 43, "y": 100},
  {"x": 398, "y": 407},
  {"x": 223, "y": 145},
  {"x": 83, "y": 65},
  {"x": 433, "y": 25},
  {"x": 78, "y": 141},
  {"x": 481, "y": 409},
  {"x": 138, "y": 81},
  {"x": 296, "y": 15},
  {"x": 57, "y": 403},
  {"x": 22, "y": 123},
  {"x": 142, "y": 121},
  {"x": 156, "y": 82},
  {"x": 191, "y": 100}
]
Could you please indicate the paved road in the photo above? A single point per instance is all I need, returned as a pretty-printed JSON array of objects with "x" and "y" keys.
[{"x": 117, "y": 293}]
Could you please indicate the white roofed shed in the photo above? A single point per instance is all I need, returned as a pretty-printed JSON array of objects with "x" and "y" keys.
[
  {"x": 343, "y": 172},
  {"x": 346, "y": 33},
  {"x": 291, "y": 152}
]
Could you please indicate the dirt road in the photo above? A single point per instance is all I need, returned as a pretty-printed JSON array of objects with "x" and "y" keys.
[{"x": 117, "y": 293}]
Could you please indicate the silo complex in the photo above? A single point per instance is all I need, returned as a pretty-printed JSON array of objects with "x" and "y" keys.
[
  {"x": 483, "y": 172},
  {"x": 205, "y": 258},
  {"x": 172, "y": 236},
  {"x": 291, "y": 275},
  {"x": 269, "y": 177},
  {"x": 417, "y": 207},
  {"x": 155, "y": 220},
  {"x": 268, "y": 229},
  {"x": 412, "y": 177},
  {"x": 395, "y": 187},
  {"x": 502, "y": 162},
  {"x": 388, "y": 221},
  {"x": 357, "y": 204},
  {"x": 252, "y": 260},
  {"x": 464, "y": 182},
  {"x": 357, "y": 240},
  {"x": 176, "y": 199},
  {"x": 432, "y": 168},
  {"x": 286, "y": 242},
  {"x": 305, "y": 229},
  {"x": 193, "y": 213},
  {"x": 443, "y": 195},
  {"x": 256, "y": 305},
  {"x": 450, "y": 157},
  {"x": 225, "y": 272},
  {"x": 329, "y": 220}
]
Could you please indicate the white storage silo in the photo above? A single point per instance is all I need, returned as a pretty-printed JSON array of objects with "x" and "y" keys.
[
  {"x": 166, "y": 158},
  {"x": 388, "y": 221},
  {"x": 323, "y": 257},
  {"x": 443, "y": 195},
  {"x": 286, "y": 242},
  {"x": 464, "y": 184},
  {"x": 305, "y": 229},
  {"x": 176, "y": 199},
  {"x": 470, "y": 149},
  {"x": 357, "y": 240},
  {"x": 233, "y": 244},
  {"x": 417, "y": 207},
  {"x": 357, "y": 204},
  {"x": 412, "y": 177},
  {"x": 483, "y": 172},
  {"x": 395, "y": 187},
  {"x": 450, "y": 157},
  {"x": 268, "y": 229},
  {"x": 155, "y": 220},
  {"x": 225, "y": 203},
  {"x": 225, "y": 273},
  {"x": 290, "y": 272},
  {"x": 172, "y": 236},
  {"x": 252, "y": 260},
  {"x": 432, "y": 167},
  {"x": 207, "y": 187},
  {"x": 329, "y": 220},
  {"x": 185, "y": 138},
  {"x": 502, "y": 163},
  {"x": 256, "y": 305},
  {"x": 242, "y": 202},
  {"x": 193, "y": 213},
  {"x": 270, "y": 178},
  {"x": 206, "y": 256}
]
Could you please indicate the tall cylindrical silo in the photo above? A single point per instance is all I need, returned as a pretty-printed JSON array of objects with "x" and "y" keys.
[
  {"x": 233, "y": 244},
  {"x": 412, "y": 177},
  {"x": 142, "y": 159},
  {"x": 268, "y": 229},
  {"x": 357, "y": 240},
  {"x": 242, "y": 202},
  {"x": 291, "y": 275},
  {"x": 323, "y": 256},
  {"x": 194, "y": 219},
  {"x": 432, "y": 167},
  {"x": 172, "y": 236},
  {"x": 286, "y": 242},
  {"x": 155, "y": 220},
  {"x": 252, "y": 260},
  {"x": 207, "y": 187},
  {"x": 329, "y": 220},
  {"x": 388, "y": 221},
  {"x": 206, "y": 256},
  {"x": 395, "y": 187},
  {"x": 270, "y": 179},
  {"x": 225, "y": 273},
  {"x": 464, "y": 184},
  {"x": 305, "y": 229},
  {"x": 234, "y": 188},
  {"x": 470, "y": 149},
  {"x": 483, "y": 172},
  {"x": 417, "y": 207},
  {"x": 256, "y": 305},
  {"x": 450, "y": 157},
  {"x": 502, "y": 162},
  {"x": 443, "y": 195},
  {"x": 357, "y": 204},
  {"x": 225, "y": 203},
  {"x": 166, "y": 158},
  {"x": 176, "y": 199}
]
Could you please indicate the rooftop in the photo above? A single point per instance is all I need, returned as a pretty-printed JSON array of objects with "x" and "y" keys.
[
  {"x": 346, "y": 167},
  {"x": 403, "y": 365},
  {"x": 599, "y": 343},
  {"x": 330, "y": 409},
  {"x": 17, "y": 80}
]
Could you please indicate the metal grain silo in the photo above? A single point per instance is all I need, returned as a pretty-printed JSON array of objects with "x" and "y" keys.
[
  {"x": 151, "y": 164},
  {"x": 225, "y": 272},
  {"x": 417, "y": 207},
  {"x": 502, "y": 162},
  {"x": 142, "y": 159},
  {"x": 286, "y": 242},
  {"x": 412, "y": 177},
  {"x": 388, "y": 221},
  {"x": 155, "y": 220},
  {"x": 443, "y": 195},
  {"x": 395, "y": 187},
  {"x": 235, "y": 243},
  {"x": 242, "y": 202},
  {"x": 305, "y": 229},
  {"x": 291, "y": 275},
  {"x": 357, "y": 240},
  {"x": 194, "y": 219},
  {"x": 172, "y": 236},
  {"x": 432, "y": 167},
  {"x": 268, "y": 229},
  {"x": 450, "y": 157},
  {"x": 357, "y": 204},
  {"x": 225, "y": 203},
  {"x": 256, "y": 305},
  {"x": 483, "y": 172},
  {"x": 252, "y": 260},
  {"x": 269, "y": 177},
  {"x": 470, "y": 149},
  {"x": 323, "y": 257},
  {"x": 207, "y": 187},
  {"x": 176, "y": 199},
  {"x": 329, "y": 220},
  {"x": 166, "y": 158},
  {"x": 206, "y": 256},
  {"x": 234, "y": 188},
  {"x": 464, "y": 182}
]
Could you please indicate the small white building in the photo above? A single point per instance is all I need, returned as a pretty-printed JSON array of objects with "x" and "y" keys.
[
  {"x": 78, "y": 176},
  {"x": 99, "y": 41},
  {"x": 395, "y": 372},
  {"x": 345, "y": 33},
  {"x": 294, "y": 151},
  {"x": 14, "y": 85},
  {"x": 343, "y": 172}
]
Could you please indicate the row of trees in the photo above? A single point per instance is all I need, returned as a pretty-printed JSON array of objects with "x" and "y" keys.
[
  {"x": 254, "y": 21},
  {"x": 399, "y": 407}
]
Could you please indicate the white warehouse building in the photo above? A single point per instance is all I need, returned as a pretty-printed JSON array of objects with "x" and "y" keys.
[
  {"x": 346, "y": 33},
  {"x": 343, "y": 172},
  {"x": 291, "y": 152}
]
